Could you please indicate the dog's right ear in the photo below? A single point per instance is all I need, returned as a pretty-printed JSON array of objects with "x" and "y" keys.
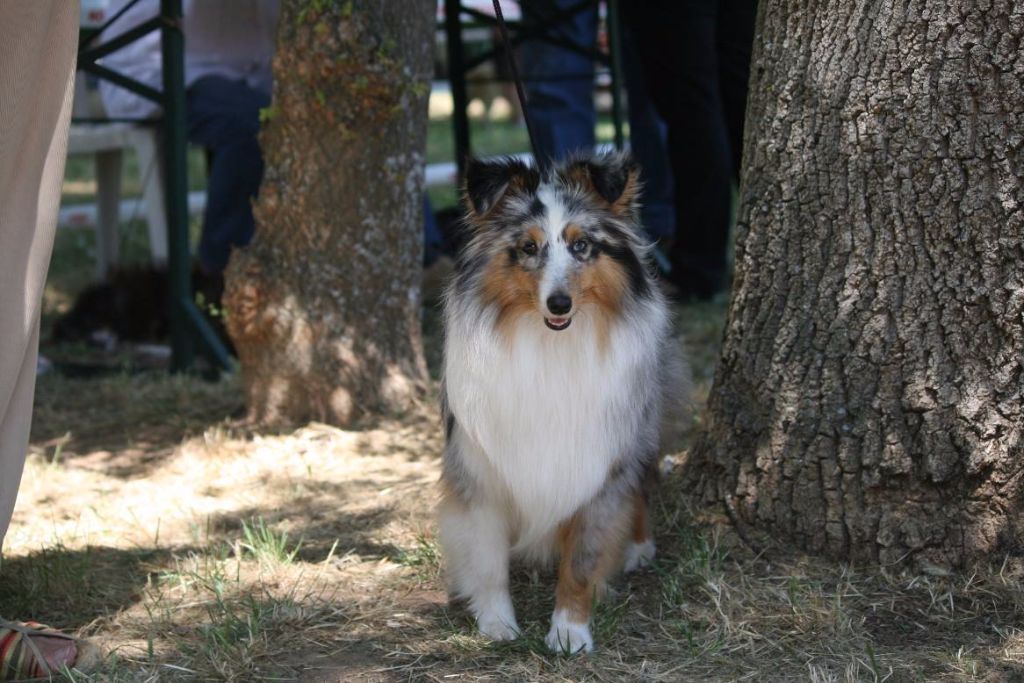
[{"x": 488, "y": 182}]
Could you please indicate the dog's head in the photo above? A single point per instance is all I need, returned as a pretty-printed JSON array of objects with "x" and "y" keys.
[{"x": 554, "y": 245}]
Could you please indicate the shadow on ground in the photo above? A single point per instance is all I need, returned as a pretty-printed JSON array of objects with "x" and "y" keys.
[
  {"x": 125, "y": 424},
  {"x": 69, "y": 589}
]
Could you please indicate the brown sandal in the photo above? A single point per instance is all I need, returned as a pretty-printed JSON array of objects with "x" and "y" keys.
[{"x": 22, "y": 660}]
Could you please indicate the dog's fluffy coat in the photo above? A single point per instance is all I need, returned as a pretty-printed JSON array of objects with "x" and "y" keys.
[{"x": 559, "y": 365}]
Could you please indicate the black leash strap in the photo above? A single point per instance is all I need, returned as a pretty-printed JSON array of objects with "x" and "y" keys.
[{"x": 510, "y": 57}]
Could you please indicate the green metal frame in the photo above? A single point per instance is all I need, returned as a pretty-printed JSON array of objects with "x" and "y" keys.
[{"x": 187, "y": 324}]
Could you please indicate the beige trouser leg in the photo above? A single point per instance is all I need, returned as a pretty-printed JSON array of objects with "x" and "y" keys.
[{"x": 38, "y": 42}]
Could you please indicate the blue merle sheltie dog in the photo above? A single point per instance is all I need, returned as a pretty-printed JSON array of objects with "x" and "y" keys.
[{"x": 559, "y": 365}]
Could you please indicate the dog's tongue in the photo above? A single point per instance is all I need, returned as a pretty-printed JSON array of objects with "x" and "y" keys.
[{"x": 557, "y": 323}]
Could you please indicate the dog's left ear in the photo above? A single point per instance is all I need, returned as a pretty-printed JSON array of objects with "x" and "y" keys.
[
  {"x": 488, "y": 182},
  {"x": 614, "y": 178}
]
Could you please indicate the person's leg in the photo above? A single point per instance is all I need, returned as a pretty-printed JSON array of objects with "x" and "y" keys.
[
  {"x": 678, "y": 47},
  {"x": 38, "y": 41},
  {"x": 223, "y": 115},
  {"x": 647, "y": 139},
  {"x": 559, "y": 82},
  {"x": 735, "y": 41}
]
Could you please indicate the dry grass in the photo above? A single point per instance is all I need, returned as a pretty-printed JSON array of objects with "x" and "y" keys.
[{"x": 196, "y": 550}]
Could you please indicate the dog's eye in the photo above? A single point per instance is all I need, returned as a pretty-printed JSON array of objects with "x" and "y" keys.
[
  {"x": 530, "y": 248},
  {"x": 579, "y": 246}
]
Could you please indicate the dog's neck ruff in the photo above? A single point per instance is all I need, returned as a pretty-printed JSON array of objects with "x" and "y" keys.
[{"x": 543, "y": 417}]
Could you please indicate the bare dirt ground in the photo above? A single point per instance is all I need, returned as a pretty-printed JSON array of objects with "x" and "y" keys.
[{"x": 195, "y": 549}]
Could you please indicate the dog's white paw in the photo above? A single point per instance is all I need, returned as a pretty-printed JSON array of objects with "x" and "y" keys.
[
  {"x": 568, "y": 637},
  {"x": 497, "y": 628},
  {"x": 496, "y": 618},
  {"x": 638, "y": 555}
]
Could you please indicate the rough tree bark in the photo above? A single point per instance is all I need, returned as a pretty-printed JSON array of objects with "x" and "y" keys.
[
  {"x": 868, "y": 402},
  {"x": 324, "y": 305}
]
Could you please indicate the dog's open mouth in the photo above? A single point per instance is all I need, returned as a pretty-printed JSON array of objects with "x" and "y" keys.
[{"x": 557, "y": 323}]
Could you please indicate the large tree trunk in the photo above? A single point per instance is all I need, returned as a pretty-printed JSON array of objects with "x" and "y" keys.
[
  {"x": 868, "y": 402},
  {"x": 324, "y": 305}
]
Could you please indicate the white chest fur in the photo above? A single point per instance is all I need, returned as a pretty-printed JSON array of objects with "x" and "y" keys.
[{"x": 546, "y": 414}]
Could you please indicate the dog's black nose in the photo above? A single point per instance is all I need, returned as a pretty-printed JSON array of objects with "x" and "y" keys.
[{"x": 559, "y": 303}]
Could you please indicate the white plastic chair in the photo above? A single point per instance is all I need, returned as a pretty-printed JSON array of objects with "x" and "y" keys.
[{"x": 107, "y": 142}]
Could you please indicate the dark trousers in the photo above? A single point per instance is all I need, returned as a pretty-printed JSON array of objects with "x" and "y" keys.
[
  {"x": 559, "y": 81},
  {"x": 647, "y": 139},
  {"x": 223, "y": 115},
  {"x": 696, "y": 55}
]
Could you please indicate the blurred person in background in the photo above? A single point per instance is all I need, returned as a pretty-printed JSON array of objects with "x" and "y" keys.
[
  {"x": 229, "y": 47},
  {"x": 695, "y": 55},
  {"x": 228, "y": 51},
  {"x": 686, "y": 66},
  {"x": 559, "y": 84}
]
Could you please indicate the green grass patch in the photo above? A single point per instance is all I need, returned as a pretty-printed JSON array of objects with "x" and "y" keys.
[{"x": 266, "y": 545}]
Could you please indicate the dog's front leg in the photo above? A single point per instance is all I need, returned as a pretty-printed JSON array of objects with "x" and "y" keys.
[
  {"x": 475, "y": 539},
  {"x": 591, "y": 546}
]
